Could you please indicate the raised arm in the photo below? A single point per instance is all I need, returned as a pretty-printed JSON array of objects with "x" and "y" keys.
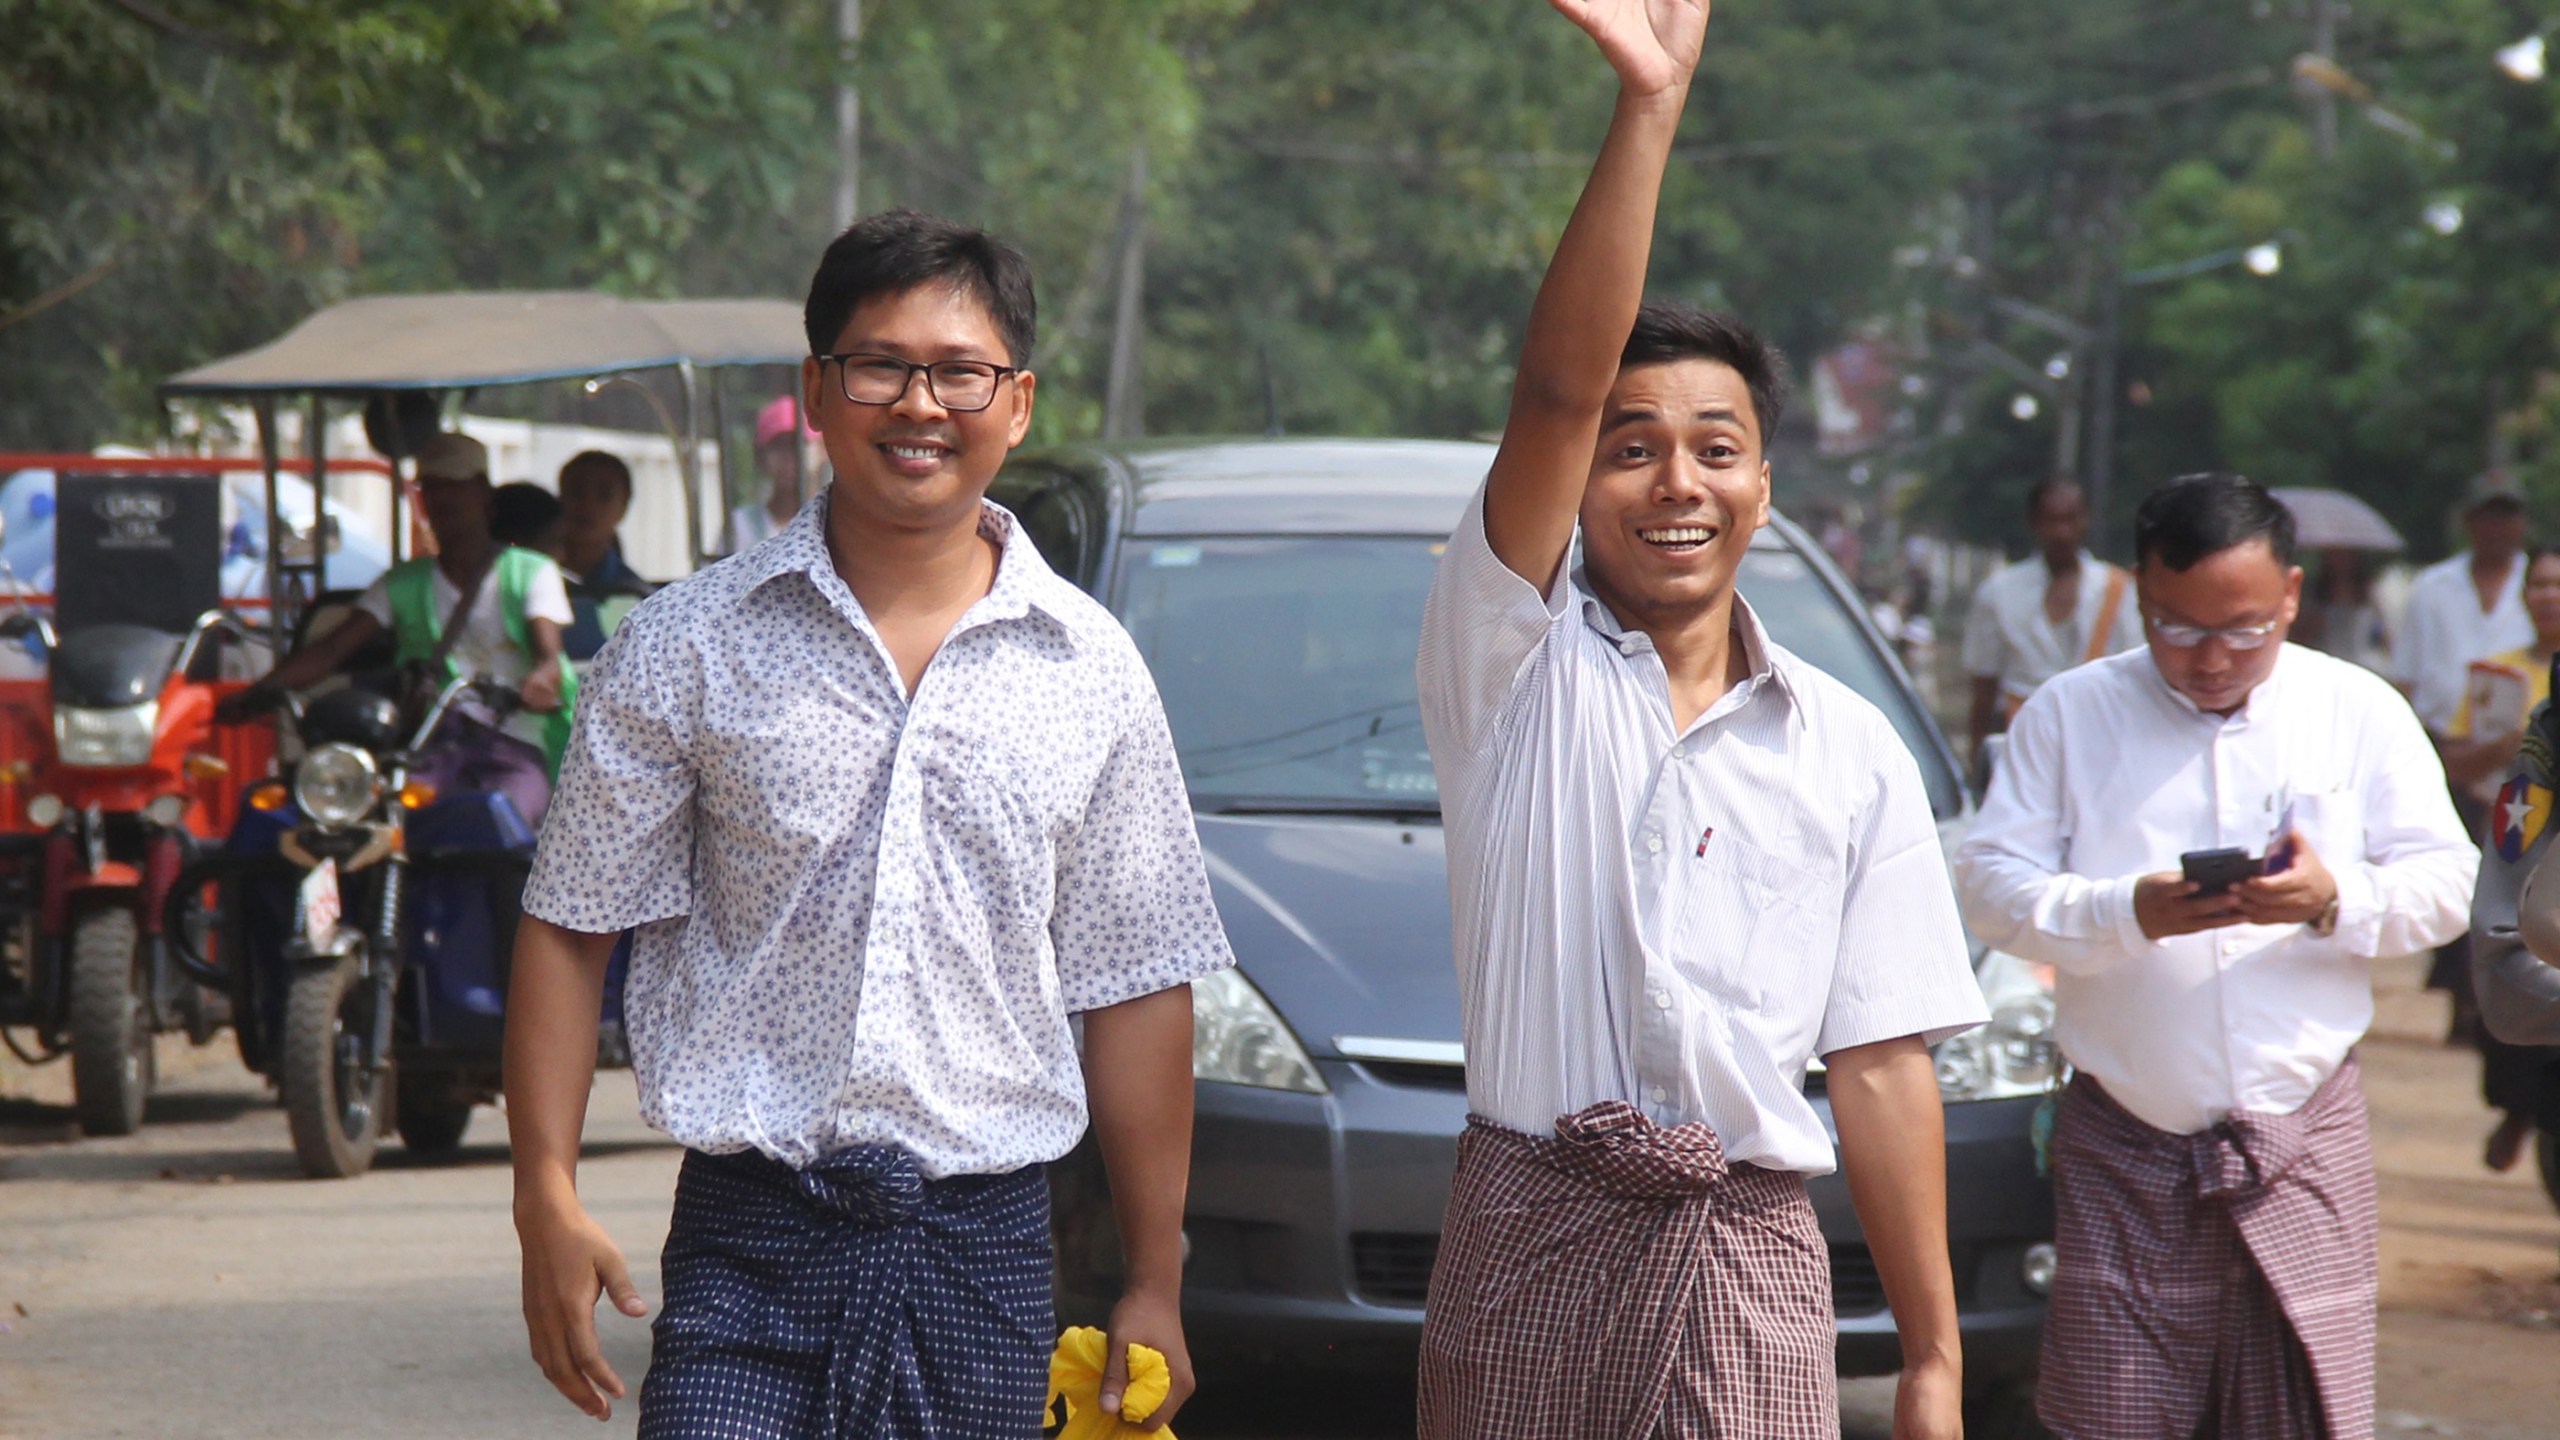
[{"x": 1587, "y": 304}]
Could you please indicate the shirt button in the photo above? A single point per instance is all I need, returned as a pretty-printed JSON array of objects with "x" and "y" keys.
[
  {"x": 1660, "y": 1095},
  {"x": 1661, "y": 999},
  {"x": 1653, "y": 842},
  {"x": 1680, "y": 752}
]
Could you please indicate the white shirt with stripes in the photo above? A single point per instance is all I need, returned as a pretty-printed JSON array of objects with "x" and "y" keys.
[{"x": 1680, "y": 919}]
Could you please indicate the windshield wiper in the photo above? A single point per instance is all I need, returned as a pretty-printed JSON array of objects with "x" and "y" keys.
[{"x": 1411, "y": 811}]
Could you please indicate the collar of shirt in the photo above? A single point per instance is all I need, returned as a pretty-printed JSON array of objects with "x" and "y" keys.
[
  {"x": 1024, "y": 583},
  {"x": 1760, "y": 662}
]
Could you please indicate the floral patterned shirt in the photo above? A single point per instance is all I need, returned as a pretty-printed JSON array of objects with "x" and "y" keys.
[{"x": 864, "y": 917}]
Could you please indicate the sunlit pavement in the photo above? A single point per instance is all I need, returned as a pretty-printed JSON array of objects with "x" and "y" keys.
[{"x": 188, "y": 1284}]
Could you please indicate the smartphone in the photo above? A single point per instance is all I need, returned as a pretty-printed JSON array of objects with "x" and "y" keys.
[{"x": 2219, "y": 870}]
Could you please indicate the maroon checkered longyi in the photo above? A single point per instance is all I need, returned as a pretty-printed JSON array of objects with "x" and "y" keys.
[
  {"x": 1621, "y": 1282},
  {"x": 2220, "y": 1284}
]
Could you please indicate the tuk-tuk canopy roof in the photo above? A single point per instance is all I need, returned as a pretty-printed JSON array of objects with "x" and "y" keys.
[{"x": 465, "y": 339}]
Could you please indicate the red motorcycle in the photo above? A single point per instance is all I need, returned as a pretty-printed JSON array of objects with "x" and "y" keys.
[
  {"x": 116, "y": 812},
  {"x": 110, "y": 811}
]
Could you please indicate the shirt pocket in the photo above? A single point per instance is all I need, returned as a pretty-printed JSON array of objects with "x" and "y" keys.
[
  {"x": 1747, "y": 933},
  {"x": 2333, "y": 820}
]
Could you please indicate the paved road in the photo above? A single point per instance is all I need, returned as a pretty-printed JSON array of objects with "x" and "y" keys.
[{"x": 187, "y": 1284}]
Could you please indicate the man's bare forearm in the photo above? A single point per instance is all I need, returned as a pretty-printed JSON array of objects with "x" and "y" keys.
[
  {"x": 1137, "y": 1070},
  {"x": 553, "y": 1002},
  {"x": 1893, "y": 1148},
  {"x": 1585, "y": 309}
]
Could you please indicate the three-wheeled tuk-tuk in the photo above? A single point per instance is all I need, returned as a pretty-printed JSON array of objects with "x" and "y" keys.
[{"x": 364, "y": 917}]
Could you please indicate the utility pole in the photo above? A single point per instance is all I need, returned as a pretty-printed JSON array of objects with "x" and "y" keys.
[
  {"x": 848, "y": 113},
  {"x": 2324, "y": 101},
  {"x": 1124, "y": 402},
  {"x": 2099, "y": 474}
]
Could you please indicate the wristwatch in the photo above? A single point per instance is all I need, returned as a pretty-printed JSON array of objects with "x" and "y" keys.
[{"x": 2325, "y": 924}]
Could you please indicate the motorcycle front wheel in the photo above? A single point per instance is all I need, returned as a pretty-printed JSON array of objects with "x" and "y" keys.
[
  {"x": 111, "y": 1054},
  {"x": 334, "y": 1105}
]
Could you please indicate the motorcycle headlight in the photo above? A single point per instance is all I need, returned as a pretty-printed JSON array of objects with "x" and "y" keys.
[
  {"x": 1236, "y": 1037},
  {"x": 106, "y": 739},
  {"x": 335, "y": 785},
  {"x": 2014, "y": 1054}
]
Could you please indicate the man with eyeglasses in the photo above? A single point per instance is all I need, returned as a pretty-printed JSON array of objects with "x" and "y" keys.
[
  {"x": 884, "y": 802},
  {"x": 2213, "y": 1176}
]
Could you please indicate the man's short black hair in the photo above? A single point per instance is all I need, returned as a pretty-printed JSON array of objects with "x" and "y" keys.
[
  {"x": 899, "y": 250},
  {"x": 2049, "y": 486},
  {"x": 603, "y": 462},
  {"x": 2198, "y": 515},
  {"x": 1666, "y": 331}
]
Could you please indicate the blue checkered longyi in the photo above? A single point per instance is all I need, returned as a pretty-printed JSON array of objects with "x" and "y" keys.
[{"x": 853, "y": 1298}]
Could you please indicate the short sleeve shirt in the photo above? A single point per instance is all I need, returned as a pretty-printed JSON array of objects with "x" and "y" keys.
[
  {"x": 2008, "y": 636},
  {"x": 1680, "y": 919},
  {"x": 864, "y": 917},
  {"x": 483, "y": 647}
]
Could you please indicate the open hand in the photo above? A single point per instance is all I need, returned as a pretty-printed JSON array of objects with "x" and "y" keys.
[
  {"x": 2295, "y": 895},
  {"x": 568, "y": 1261},
  {"x": 1652, "y": 44}
]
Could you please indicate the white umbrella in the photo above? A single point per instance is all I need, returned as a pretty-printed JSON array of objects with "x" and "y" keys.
[{"x": 2336, "y": 520}]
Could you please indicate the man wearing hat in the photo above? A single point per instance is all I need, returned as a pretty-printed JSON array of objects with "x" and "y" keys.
[
  {"x": 2464, "y": 608},
  {"x": 780, "y": 458},
  {"x": 508, "y": 607}
]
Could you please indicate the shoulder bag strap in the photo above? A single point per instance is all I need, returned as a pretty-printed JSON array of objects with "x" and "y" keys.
[{"x": 2104, "y": 632}]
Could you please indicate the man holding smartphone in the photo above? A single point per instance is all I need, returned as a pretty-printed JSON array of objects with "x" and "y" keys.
[{"x": 2213, "y": 1175}]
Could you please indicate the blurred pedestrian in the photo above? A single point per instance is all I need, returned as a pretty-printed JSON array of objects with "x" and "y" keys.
[
  {"x": 2482, "y": 749},
  {"x": 782, "y": 462},
  {"x": 2339, "y": 614},
  {"x": 2213, "y": 1175},
  {"x": 865, "y": 911},
  {"x": 1682, "y": 863},
  {"x": 2466, "y": 607},
  {"x": 2059, "y": 607},
  {"x": 595, "y": 493}
]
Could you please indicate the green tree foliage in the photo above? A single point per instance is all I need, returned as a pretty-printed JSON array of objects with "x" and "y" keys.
[{"x": 1347, "y": 205}]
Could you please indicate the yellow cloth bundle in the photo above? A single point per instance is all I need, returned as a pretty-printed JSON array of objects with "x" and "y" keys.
[{"x": 1075, "y": 1377}]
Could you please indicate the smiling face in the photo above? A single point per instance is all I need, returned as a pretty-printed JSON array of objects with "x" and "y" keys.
[
  {"x": 912, "y": 464},
  {"x": 1678, "y": 487},
  {"x": 2243, "y": 585}
]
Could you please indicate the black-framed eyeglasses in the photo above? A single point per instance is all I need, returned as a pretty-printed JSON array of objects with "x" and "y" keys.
[{"x": 961, "y": 386}]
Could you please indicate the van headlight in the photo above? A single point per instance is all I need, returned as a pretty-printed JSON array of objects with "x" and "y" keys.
[
  {"x": 1237, "y": 1038},
  {"x": 2013, "y": 1055},
  {"x": 335, "y": 785},
  {"x": 116, "y": 739}
]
